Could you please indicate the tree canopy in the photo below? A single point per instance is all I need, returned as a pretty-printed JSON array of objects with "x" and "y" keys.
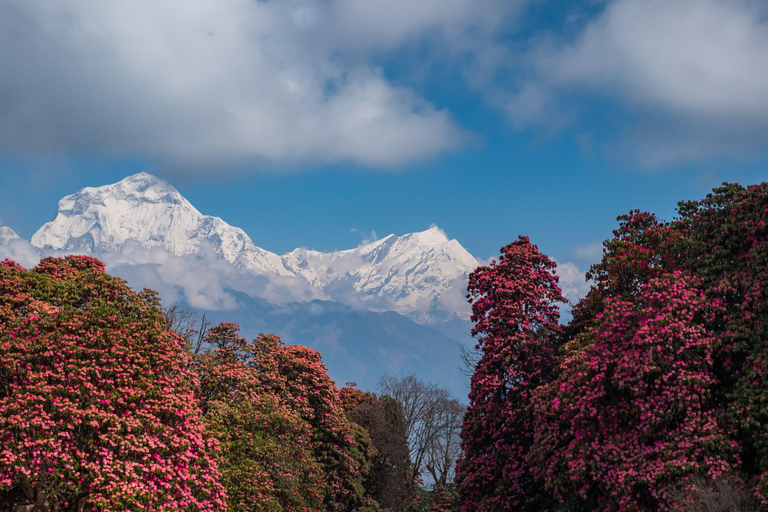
[
  {"x": 655, "y": 395},
  {"x": 96, "y": 411}
]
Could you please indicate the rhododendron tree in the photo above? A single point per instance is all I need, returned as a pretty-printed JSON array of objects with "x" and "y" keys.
[
  {"x": 96, "y": 409},
  {"x": 286, "y": 441},
  {"x": 721, "y": 240},
  {"x": 730, "y": 228},
  {"x": 344, "y": 451},
  {"x": 632, "y": 413},
  {"x": 662, "y": 381},
  {"x": 266, "y": 456},
  {"x": 514, "y": 307}
]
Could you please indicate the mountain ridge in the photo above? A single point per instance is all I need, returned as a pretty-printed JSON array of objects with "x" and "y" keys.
[
  {"x": 414, "y": 274},
  {"x": 144, "y": 208}
]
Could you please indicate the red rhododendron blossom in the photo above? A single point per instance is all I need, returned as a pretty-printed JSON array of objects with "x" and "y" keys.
[{"x": 635, "y": 412}]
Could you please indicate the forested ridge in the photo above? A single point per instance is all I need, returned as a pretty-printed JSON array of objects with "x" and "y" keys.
[{"x": 653, "y": 397}]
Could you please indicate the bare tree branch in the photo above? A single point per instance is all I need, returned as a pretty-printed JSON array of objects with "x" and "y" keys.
[
  {"x": 431, "y": 418},
  {"x": 183, "y": 322},
  {"x": 469, "y": 359}
]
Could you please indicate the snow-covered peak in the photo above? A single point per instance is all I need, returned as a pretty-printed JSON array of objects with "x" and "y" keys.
[
  {"x": 7, "y": 234},
  {"x": 411, "y": 274},
  {"x": 148, "y": 210},
  {"x": 422, "y": 275},
  {"x": 432, "y": 236}
]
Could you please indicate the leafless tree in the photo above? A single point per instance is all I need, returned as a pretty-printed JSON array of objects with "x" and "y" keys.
[
  {"x": 431, "y": 419},
  {"x": 445, "y": 448},
  {"x": 469, "y": 359},
  {"x": 183, "y": 322}
]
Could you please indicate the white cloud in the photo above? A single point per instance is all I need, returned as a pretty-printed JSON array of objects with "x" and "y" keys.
[
  {"x": 573, "y": 282},
  {"x": 204, "y": 282},
  {"x": 20, "y": 251},
  {"x": 233, "y": 81},
  {"x": 692, "y": 72}
]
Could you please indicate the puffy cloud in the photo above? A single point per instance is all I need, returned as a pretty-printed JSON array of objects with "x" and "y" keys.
[
  {"x": 572, "y": 281},
  {"x": 20, "y": 251},
  {"x": 227, "y": 82},
  {"x": 692, "y": 73}
]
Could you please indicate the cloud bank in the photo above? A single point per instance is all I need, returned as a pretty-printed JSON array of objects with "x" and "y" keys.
[
  {"x": 233, "y": 81},
  {"x": 691, "y": 74},
  {"x": 205, "y": 84}
]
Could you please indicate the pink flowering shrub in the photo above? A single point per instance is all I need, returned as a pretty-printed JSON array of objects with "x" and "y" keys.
[
  {"x": 730, "y": 228},
  {"x": 96, "y": 409},
  {"x": 266, "y": 458},
  {"x": 659, "y": 381},
  {"x": 632, "y": 413},
  {"x": 286, "y": 441},
  {"x": 515, "y": 314}
]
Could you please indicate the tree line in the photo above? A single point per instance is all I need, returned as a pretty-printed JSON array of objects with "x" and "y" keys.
[
  {"x": 654, "y": 396},
  {"x": 109, "y": 402}
]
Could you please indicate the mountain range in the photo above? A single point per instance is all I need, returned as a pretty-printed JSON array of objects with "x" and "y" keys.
[{"x": 394, "y": 305}]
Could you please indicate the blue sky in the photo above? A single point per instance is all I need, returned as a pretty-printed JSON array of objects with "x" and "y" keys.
[{"x": 322, "y": 123}]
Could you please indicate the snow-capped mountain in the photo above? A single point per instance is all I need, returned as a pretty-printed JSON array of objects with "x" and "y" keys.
[
  {"x": 412, "y": 274},
  {"x": 421, "y": 275},
  {"x": 361, "y": 308},
  {"x": 150, "y": 211},
  {"x": 7, "y": 234}
]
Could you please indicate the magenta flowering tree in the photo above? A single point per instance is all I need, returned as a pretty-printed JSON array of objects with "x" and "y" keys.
[
  {"x": 632, "y": 414},
  {"x": 514, "y": 307},
  {"x": 730, "y": 229},
  {"x": 287, "y": 443},
  {"x": 661, "y": 384},
  {"x": 96, "y": 409}
]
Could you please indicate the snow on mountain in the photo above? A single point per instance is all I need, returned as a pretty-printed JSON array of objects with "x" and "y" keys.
[
  {"x": 421, "y": 275},
  {"x": 411, "y": 274},
  {"x": 152, "y": 212},
  {"x": 7, "y": 234}
]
